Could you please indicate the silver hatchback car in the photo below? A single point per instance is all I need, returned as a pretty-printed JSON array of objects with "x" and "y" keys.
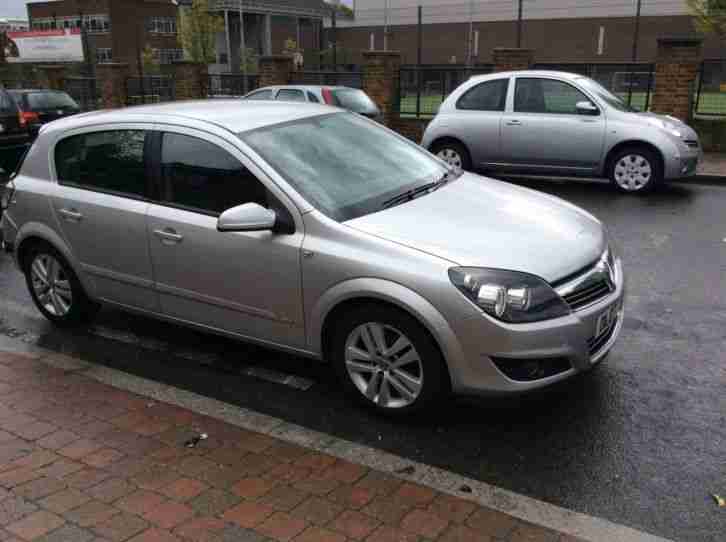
[
  {"x": 319, "y": 232},
  {"x": 557, "y": 123}
]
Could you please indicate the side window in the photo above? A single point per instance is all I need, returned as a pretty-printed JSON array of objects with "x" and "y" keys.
[
  {"x": 488, "y": 96},
  {"x": 201, "y": 176},
  {"x": 313, "y": 98},
  {"x": 546, "y": 96},
  {"x": 108, "y": 161},
  {"x": 260, "y": 95},
  {"x": 291, "y": 95}
]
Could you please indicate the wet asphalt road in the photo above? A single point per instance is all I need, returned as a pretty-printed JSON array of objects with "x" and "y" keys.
[{"x": 640, "y": 441}]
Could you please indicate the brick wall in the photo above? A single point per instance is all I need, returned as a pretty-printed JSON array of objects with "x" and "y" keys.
[
  {"x": 275, "y": 70},
  {"x": 511, "y": 58},
  {"x": 111, "y": 80},
  {"x": 676, "y": 72},
  {"x": 190, "y": 80},
  {"x": 412, "y": 129},
  {"x": 381, "y": 71}
]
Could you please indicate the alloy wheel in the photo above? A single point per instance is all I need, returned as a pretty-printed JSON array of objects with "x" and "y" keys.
[
  {"x": 451, "y": 157},
  {"x": 51, "y": 286},
  {"x": 384, "y": 365},
  {"x": 633, "y": 172}
]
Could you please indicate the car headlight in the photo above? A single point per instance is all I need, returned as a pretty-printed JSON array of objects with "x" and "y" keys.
[{"x": 509, "y": 296}]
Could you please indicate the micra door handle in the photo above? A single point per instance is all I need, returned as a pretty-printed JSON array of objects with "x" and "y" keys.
[
  {"x": 514, "y": 123},
  {"x": 71, "y": 215},
  {"x": 168, "y": 236}
]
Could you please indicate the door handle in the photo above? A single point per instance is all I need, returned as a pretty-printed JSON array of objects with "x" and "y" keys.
[
  {"x": 70, "y": 215},
  {"x": 169, "y": 236},
  {"x": 514, "y": 123}
]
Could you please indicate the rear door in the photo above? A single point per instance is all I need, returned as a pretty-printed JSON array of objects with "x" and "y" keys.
[
  {"x": 477, "y": 120},
  {"x": 101, "y": 204}
]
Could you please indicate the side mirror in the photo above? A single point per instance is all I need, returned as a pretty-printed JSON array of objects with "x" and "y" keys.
[
  {"x": 247, "y": 217},
  {"x": 587, "y": 108}
]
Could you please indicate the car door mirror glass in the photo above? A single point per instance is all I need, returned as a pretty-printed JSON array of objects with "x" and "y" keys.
[
  {"x": 587, "y": 108},
  {"x": 247, "y": 217}
]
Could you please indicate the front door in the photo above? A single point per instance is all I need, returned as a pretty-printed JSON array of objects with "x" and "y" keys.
[
  {"x": 247, "y": 283},
  {"x": 100, "y": 204},
  {"x": 545, "y": 131}
]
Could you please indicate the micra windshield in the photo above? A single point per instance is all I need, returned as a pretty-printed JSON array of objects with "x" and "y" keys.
[{"x": 344, "y": 165}]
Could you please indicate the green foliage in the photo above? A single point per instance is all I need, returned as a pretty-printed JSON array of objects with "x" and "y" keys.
[
  {"x": 148, "y": 60},
  {"x": 709, "y": 16},
  {"x": 197, "y": 31},
  {"x": 250, "y": 61}
]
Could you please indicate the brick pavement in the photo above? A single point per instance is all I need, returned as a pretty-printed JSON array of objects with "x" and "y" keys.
[{"x": 83, "y": 461}]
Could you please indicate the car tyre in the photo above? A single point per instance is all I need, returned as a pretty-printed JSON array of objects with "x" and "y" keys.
[
  {"x": 387, "y": 361},
  {"x": 453, "y": 153},
  {"x": 635, "y": 170},
  {"x": 55, "y": 288}
]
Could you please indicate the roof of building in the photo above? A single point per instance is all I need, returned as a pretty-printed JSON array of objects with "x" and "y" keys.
[{"x": 235, "y": 115}]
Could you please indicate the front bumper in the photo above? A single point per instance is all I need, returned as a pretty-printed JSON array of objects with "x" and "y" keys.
[
  {"x": 684, "y": 165},
  {"x": 567, "y": 346}
]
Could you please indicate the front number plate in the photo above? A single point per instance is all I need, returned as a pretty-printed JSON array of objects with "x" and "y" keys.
[{"x": 605, "y": 320}]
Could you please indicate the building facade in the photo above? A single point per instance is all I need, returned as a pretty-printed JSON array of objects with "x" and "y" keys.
[
  {"x": 456, "y": 31},
  {"x": 119, "y": 30},
  {"x": 13, "y": 24}
]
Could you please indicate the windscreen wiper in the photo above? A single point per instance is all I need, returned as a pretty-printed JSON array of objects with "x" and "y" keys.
[{"x": 408, "y": 195}]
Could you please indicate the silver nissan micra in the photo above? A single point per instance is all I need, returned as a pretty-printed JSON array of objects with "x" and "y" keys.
[{"x": 313, "y": 230}]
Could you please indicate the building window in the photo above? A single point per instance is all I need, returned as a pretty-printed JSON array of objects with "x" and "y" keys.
[
  {"x": 94, "y": 24},
  {"x": 103, "y": 54},
  {"x": 167, "y": 56},
  {"x": 161, "y": 25}
]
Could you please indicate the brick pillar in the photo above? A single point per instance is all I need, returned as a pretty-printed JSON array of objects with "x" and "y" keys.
[
  {"x": 275, "y": 70},
  {"x": 676, "y": 73},
  {"x": 381, "y": 72},
  {"x": 190, "y": 80},
  {"x": 111, "y": 80},
  {"x": 54, "y": 75},
  {"x": 512, "y": 58}
]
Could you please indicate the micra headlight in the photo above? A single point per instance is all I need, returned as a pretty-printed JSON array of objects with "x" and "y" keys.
[{"x": 509, "y": 296}]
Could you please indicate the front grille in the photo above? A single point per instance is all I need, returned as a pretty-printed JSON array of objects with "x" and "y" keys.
[
  {"x": 691, "y": 143},
  {"x": 589, "y": 294},
  {"x": 594, "y": 344}
]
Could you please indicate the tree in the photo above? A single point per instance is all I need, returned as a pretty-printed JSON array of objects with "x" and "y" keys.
[
  {"x": 197, "y": 31},
  {"x": 148, "y": 60},
  {"x": 709, "y": 15}
]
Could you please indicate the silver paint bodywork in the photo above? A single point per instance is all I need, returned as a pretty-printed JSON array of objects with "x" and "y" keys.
[
  {"x": 278, "y": 289},
  {"x": 557, "y": 144}
]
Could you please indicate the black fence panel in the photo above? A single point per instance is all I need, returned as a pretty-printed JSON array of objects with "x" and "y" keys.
[
  {"x": 231, "y": 85},
  {"x": 353, "y": 79},
  {"x": 149, "y": 89},
  {"x": 84, "y": 91},
  {"x": 633, "y": 81},
  {"x": 423, "y": 88},
  {"x": 711, "y": 93}
]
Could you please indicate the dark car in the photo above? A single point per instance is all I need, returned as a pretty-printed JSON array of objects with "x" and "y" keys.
[
  {"x": 43, "y": 105},
  {"x": 13, "y": 127}
]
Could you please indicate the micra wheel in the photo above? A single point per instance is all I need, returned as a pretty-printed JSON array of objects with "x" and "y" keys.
[
  {"x": 55, "y": 289},
  {"x": 636, "y": 170},
  {"x": 454, "y": 154},
  {"x": 388, "y": 361}
]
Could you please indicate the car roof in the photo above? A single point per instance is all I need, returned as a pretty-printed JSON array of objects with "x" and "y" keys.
[
  {"x": 28, "y": 90},
  {"x": 235, "y": 115},
  {"x": 305, "y": 87},
  {"x": 530, "y": 73}
]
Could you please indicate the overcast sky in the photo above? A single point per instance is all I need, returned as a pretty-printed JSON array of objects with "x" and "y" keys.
[
  {"x": 16, "y": 8},
  {"x": 13, "y": 8}
]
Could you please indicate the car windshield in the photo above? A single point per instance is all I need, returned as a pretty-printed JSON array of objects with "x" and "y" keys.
[
  {"x": 604, "y": 94},
  {"x": 50, "y": 100},
  {"x": 344, "y": 165},
  {"x": 355, "y": 100}
]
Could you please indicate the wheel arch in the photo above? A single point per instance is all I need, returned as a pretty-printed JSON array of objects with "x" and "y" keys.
[
  {"x": 349, "y": 294},
  {"x": 32, "y": 233},
  {"x": 631, "y": 143}
]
